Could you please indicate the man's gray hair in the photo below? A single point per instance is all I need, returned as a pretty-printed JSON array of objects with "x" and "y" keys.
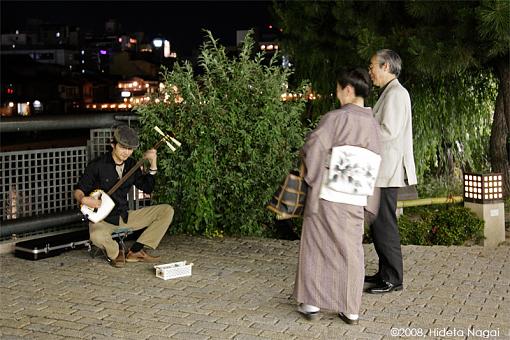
[{"x": 392, "y": 58}]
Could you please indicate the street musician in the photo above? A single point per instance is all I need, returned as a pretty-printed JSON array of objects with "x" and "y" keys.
[{"x": 103, "y": 173}]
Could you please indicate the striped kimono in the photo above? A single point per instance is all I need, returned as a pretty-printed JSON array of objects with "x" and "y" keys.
[{"x": 331, "y": 271}]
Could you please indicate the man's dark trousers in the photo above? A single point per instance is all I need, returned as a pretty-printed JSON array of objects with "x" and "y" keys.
[{"x": 387, "y": 238}]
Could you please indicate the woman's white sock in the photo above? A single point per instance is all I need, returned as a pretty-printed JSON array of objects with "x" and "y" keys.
[
  {"x": 308, "y": 308},
  {"x": 352, "y": 316}
]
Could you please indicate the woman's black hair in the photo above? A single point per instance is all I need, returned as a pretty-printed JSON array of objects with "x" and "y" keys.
[{"x": 358, "y": 78}]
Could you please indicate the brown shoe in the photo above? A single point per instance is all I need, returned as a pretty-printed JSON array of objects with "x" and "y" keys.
[
  {"x": 120, "y": 261},
  {"x": 141, "y": 256}
]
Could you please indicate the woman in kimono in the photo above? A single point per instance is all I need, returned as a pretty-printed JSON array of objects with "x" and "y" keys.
[{"x": 342, "y": 159}]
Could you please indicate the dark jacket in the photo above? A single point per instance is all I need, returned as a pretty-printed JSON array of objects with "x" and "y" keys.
[{"x": 101, "y": 174}]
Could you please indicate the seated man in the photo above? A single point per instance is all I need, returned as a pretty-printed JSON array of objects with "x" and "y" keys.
[{"x": 102, "y": 173}]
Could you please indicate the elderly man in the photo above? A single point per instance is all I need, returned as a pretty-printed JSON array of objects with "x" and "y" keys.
[
  {"x": 393, "y": 112},
  {"x": 102, "y": 173}
]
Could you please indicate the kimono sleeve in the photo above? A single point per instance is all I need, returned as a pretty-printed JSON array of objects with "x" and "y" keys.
[{"x": 318, "y": 143}]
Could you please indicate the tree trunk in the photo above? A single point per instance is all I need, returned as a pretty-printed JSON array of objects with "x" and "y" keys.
[{"x": 501, "y": 125}]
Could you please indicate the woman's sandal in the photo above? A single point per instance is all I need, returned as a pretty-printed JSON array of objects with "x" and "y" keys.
[
  {"x": 310, "y": 316},
  {"x": 347, "y": 320}
]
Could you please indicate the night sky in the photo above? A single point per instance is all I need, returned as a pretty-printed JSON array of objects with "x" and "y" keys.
[{"x": 181, "y": 22}]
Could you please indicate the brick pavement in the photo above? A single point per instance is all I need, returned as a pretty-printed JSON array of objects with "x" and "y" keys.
[{"x": 240, "y": 289}]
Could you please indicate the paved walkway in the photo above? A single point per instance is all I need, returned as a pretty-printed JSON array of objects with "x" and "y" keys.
[{"x": 240, "y": 289}]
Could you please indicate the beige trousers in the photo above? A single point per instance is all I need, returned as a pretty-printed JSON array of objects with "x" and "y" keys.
[{"x": 156, "y": 219}]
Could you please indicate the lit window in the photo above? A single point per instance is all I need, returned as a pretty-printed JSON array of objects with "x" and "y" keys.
[
  {"x": 157, "y": 42},
  {"x": 166, "y": 49}
]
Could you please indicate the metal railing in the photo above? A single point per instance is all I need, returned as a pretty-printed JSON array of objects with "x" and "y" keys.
[
  {"x": 39, "y": 182},
  {"x": 36, "y": 186}
]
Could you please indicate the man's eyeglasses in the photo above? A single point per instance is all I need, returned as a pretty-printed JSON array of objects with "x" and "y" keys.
[{"x": 371, "y": 66}]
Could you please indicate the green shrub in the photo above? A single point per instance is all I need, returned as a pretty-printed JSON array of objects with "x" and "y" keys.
[
  {"x": 446, "y": 225},
  {"x": 416, "y": 229},
  {"x": 239, "y": 139},
  {"x": 454, "y": 225}
]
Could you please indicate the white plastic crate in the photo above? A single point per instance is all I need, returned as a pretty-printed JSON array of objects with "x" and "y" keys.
[{"x": 173, "y": 270}]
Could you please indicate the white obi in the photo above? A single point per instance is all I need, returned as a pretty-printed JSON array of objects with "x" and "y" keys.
[{"x": 351, "y": 175}]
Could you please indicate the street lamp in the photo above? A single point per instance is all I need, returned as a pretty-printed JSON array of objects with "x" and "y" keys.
[
  {"x": 483, "y": 194},
  {"x": 483, "y": 188}
]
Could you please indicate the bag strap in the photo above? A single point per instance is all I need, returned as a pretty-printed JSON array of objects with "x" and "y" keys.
[{"x": 302, "y": 169}]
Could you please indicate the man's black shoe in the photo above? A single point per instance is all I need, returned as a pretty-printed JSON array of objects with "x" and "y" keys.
[
  {"x": 385, "y": 287},
  {"x": 373, "y": 279}
]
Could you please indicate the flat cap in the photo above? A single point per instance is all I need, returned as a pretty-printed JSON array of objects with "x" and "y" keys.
[{"x": 126, "y": 136}]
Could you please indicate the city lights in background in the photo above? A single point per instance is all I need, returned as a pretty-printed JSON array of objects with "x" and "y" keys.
[
  {"x": 21, "y": 108},
  {"x": 269, "y": 47},
  {"x": 158, "y": 42},
  {"x": 87, "y": 58},
  {"x": 166, "y": 49},
  {"x": 24, "y": 109},
  {"x": 288, "y": 96}
]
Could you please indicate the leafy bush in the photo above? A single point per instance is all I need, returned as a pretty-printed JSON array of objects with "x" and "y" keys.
[
  {"x": 415, "y": 229},
  {"x": 455, "y": 225},
  {"x": 440, "y": 225},
  {"x": 239, "y": 139},
  {"x": 445, "y": 225}
]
